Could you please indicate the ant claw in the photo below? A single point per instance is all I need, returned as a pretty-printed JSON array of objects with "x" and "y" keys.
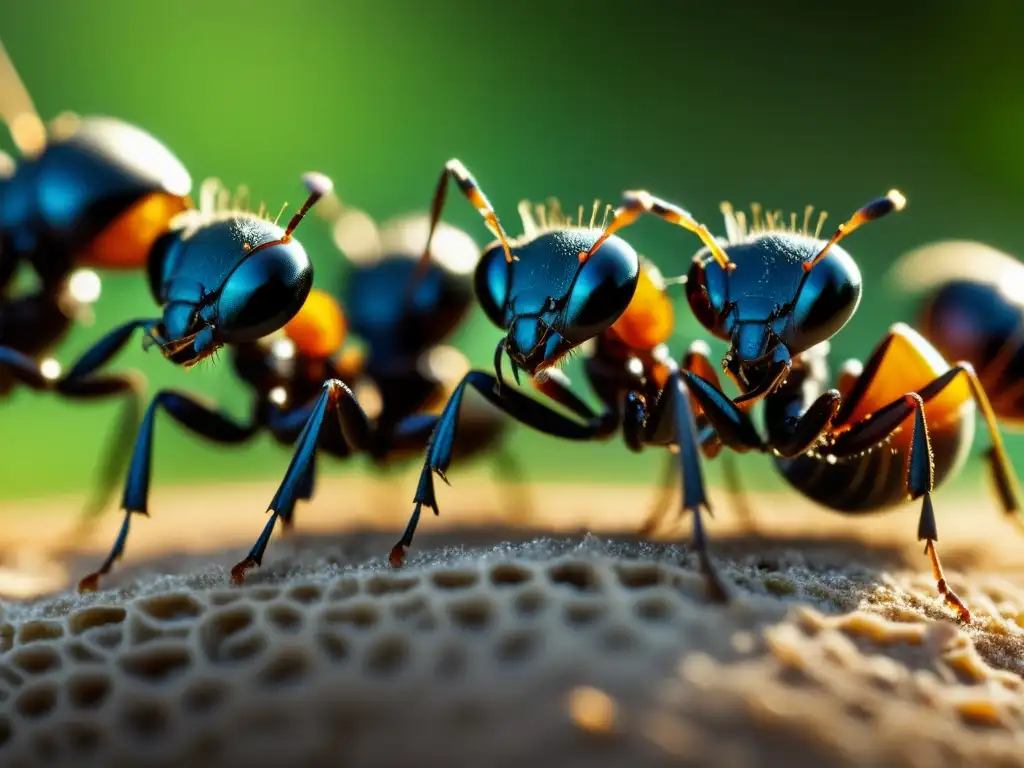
[
  {"x": 397, "y": 557},
  {"x": 238, "y": 572},
  {"x": 90, "y": 583}
]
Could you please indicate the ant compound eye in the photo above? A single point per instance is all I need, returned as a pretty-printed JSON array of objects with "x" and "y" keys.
[
  {"x": 827, "y": 300},
  {"x": 491, "y": 282},
  {"x": 705, "y": 294},
  {"x": 604, "y": 286},
  {"x": 264, "y": 292}
]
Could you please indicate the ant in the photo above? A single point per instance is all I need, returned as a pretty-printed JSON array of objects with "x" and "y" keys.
[
  {"x": 402, "y": 315},
  {"x": 632, "y": 354},
  {"x": 777, "y": 295},
  {"x": 562, "y": 284},
  {"x": 892, "y": 429},
  {"x": 85, "y": 192},
  {"x": 972, "y": 309},
  {"x": 222, "y": 276}
]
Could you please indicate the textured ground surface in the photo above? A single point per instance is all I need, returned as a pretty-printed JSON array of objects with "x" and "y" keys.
[{"x": 510, "y": 647}]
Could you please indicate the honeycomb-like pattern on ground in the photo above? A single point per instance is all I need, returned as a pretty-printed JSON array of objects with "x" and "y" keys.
[{"x": 583, "y": 660}]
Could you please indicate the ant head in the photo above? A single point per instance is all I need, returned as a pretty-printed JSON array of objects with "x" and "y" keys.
[
  {"x": 236, "y": 278},
  {"x": 786, "y": 291},
  {"x": 548, "y": 299}
]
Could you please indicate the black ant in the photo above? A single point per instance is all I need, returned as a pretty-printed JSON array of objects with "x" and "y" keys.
[
  {"x": 402, "y": 315},
  {"x": 776, "y": 294},
  {"x": 892, "y": 429},
  {"x": 552, "y": 290},
  {"x": 85, "y": 193},
  {"x": 221, "y": 276},
  {"x": 972, "y": 309}
]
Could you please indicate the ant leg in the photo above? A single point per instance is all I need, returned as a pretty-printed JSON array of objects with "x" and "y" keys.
[
  {"x": 920, "y": 470},
  {"x": 81, "y": 382},
  {"x": 507, "y": 468},
  {"x": 638, "y": 202},
  {"x": 483, "y": 428},
  {"x": 104, "y": 350},
  {"x": 740, "y": 503},
  {"x": 524, "y": 409},
  {"x": 671, "y": 422},
  {"x": 355, "y": 428},
  {"x": 697, "y": 360},
  {"x": 28, "y": 371},
  {"x": 410, "y": 434},
  {"x": 306, "y": 487},
  {"x": 731, "y": 479},
  {"x": 129, "y": 386},
  {"x": 555, "y": 385},
  {"x": 1007, "y": 484},
  {"x": 797, "y": 416},
  {"x": 879, "y": 425},
  {"x": 732, "y": 424},
  {"x": 194, "y": 416},
  {"x": 886, "y": 419},
  {"x": 23, "y": 368},
  {"x": 667, "y": 488}
]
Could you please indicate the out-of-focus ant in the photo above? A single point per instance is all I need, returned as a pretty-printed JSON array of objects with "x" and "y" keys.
[
  {"x": 971, "y": 307},
  {"x": 85, "y": 193}
]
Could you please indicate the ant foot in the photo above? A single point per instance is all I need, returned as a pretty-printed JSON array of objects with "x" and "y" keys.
[{"x": 238, "y": 572}]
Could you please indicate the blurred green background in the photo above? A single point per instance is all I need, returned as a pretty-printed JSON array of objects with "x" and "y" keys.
[{"x": 785, "y": 103}]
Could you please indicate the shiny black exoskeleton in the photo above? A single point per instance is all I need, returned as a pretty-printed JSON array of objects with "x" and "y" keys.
[
  {"x": 971, "y": 307},
  {"x": 86, "y": 193},
  {"x": 861, "y": 447},
  {"x": 891, "y": 429},
  {"x": 561, "y": 284},
  {"x": 402, "y": 314},
  {"x": 220, "y": 278}
]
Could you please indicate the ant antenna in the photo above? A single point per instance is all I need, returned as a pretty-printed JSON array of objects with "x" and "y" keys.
[
  {"x": 318, "y": 186},
  {"x": 876, "y": 209},
  {"x": 638, "y": 202},
  {"x": 18, "y": 111}
]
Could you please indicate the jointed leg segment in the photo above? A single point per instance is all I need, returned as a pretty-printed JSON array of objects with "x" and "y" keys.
[
  {"x": 194, "y": 416},
  {"x": 920, "y": 475},
  {"x": 524, "y": 409},
  {"x": 355, "y": 427},
  {"x": 671, "y": 421}
]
